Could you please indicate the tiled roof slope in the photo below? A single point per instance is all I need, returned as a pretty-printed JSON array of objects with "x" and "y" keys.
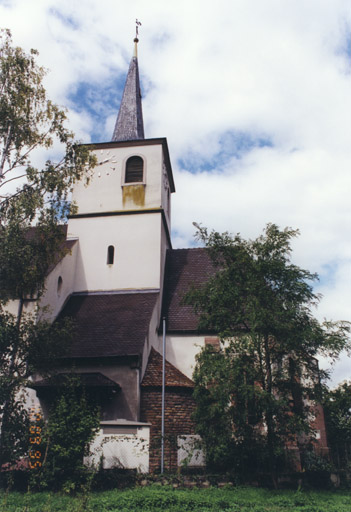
[
  {"x": 129, "y": 124},
  {"x": 184, "y": 267},
  {"x": 110, "y": 324},
  {"x": 31, "y": 233},
  {"x": 153, "y": 374}
]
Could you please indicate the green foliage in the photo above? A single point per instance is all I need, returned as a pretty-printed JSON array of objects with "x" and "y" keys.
[
  {"x": 30, "y": 195},
  {"x": 166, "y": 499},
  {"x": 252, "y": 395},
  {"x": 25, "y": 349},
  {"x": 72, "y": 424},
  {"x": 337, "y": 407},
  {"x": 29, "y": 122}
]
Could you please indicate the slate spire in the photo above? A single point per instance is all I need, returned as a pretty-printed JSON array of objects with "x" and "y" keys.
[{"x": 129, "y": 124}]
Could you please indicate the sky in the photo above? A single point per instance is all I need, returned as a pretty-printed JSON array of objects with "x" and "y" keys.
[{"x": 254, "y": 97}]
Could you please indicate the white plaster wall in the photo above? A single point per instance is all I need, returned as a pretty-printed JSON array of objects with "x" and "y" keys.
[
  {"x": 54, "y": 298},
  {"x": 152, "y": 338},
  {"x": 128, "y": 451},
  {"x": 51, "y": 299},
  {"x": 104, "y": 192},
  {"x": 164, "y": 246},
  {"x": 189, "y": 452},
  {"x": 166, "y": 196},
  {"x": 12, "y": 307},
  {"x": 181, "y": 351},
  {"x": 137, "y": 242}
]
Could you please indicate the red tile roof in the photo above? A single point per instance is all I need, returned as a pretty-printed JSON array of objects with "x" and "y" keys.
[
  {"x": 110, "y": 324},
  {"x": 184, "y": 267},
  {"x": 153, "y": 374}
]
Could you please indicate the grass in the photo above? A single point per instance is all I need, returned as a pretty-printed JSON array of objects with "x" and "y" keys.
[{"x": 166, "y": 499}]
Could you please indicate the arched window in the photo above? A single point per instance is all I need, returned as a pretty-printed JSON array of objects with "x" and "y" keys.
[
  {"x": 134, "y": 170},
  {"x": 110, "y": 255}
]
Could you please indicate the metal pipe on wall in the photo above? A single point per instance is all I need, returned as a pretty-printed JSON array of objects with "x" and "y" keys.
[{"x": 163, "y": 393}]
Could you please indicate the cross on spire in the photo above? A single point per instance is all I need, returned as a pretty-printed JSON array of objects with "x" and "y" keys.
[{"x": 137, "y": 25}]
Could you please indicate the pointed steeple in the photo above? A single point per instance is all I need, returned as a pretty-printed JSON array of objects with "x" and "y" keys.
[{"x": 129, "y": 124}]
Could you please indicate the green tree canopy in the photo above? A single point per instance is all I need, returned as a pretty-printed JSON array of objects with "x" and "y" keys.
[
  {"x": 34, "y": 201},
  {"x": 29, "y": 123},
  {"x": 253, "y": 395},
  {"x": 337, "y": 406}
]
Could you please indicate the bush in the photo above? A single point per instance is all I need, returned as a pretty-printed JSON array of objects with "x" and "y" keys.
[
  {"x": 318, "y": 470},
  {"x": 72, "y": 424}
]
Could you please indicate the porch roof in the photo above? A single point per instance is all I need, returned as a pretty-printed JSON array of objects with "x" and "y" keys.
[{"x": 94, "y": 379}]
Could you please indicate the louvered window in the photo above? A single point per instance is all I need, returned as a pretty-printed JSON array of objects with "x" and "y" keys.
[{"x": 134, "y": 170}]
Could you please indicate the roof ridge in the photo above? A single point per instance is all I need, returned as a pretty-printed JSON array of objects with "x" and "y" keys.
[
  {"x": 188, "y": 249},
  {"x": 115, "y": 292}
]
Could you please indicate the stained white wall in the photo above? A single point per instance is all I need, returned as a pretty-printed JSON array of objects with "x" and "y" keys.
[
  {"x": 105, "y": 190},
  {"x": 181, "y": 351}
]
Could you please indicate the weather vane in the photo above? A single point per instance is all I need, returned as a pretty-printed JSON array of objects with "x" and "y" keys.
[{"x": 137, "y": 25}]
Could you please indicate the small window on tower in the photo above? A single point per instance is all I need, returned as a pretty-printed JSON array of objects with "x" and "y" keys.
[
  {"x": 110, "y": 255},
  {"x": 134, "y": 170}
]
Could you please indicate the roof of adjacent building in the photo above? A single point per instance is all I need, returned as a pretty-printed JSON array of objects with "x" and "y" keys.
[
  {"x": 129, "y": 124},
  {"x": 92, "y": 379},
  {"x": 173, "y": 377},
  {"x": 184, "y": 268},
  {"x": 110, "y": 325}
]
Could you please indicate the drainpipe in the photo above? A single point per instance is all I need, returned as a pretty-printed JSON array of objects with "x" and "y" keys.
[{"x": 163, "y": 394}]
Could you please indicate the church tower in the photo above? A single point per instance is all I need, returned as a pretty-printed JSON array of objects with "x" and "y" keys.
[{"x": 124, "y": 213}]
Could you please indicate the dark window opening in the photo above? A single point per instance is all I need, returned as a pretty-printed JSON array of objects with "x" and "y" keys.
[
  {"x": 134, "y": 170},
  {"x": 110, "y": 255},
  {"x": 59, "y": 285}
]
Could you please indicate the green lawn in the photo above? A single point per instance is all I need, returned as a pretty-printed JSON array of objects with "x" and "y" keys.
[{"x": 156, "y": 498}]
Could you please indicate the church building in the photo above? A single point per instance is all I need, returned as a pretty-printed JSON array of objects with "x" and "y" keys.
[{"x": 123, "y": 284}]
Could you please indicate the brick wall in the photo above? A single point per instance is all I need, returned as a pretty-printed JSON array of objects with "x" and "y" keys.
[
  {"x": 321, "y": 444},
  {"x": 179, "y": 406}
]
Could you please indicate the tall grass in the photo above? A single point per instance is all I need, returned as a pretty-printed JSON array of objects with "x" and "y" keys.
[{"x": 166, "y": 499}]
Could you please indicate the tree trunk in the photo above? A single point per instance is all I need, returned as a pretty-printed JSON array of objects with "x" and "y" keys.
[
  {"x": 269, "y": 415},
  {"x": 5, "y": 150}
]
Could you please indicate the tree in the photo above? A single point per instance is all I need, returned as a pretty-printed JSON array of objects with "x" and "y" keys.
[
  {"x": 254, "y": 394},
  {"x": 30, "y": 122},
  {"x": 337, "y": 407},
  {"x": 25, "y": 349},
  {"x": 34, "y": 200},
  {"x": 72, "y": 424}
]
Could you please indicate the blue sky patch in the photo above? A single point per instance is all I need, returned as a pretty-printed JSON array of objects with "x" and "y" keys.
[
  {"x": 69, "y": 22},
  {"x": 232, "y": 144},
  {"x": 327, "y": 276},
  {"x": 99, "y": 100},
  {"x": 344, "y": 48}
]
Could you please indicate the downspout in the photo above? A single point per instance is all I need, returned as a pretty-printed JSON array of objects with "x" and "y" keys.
[{"x": 163, "y": 394}]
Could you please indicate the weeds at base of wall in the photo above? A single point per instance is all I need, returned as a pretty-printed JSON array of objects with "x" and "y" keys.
[
  {"x": 102, "y": 480},
  {"x": 117, "y": 478}
]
